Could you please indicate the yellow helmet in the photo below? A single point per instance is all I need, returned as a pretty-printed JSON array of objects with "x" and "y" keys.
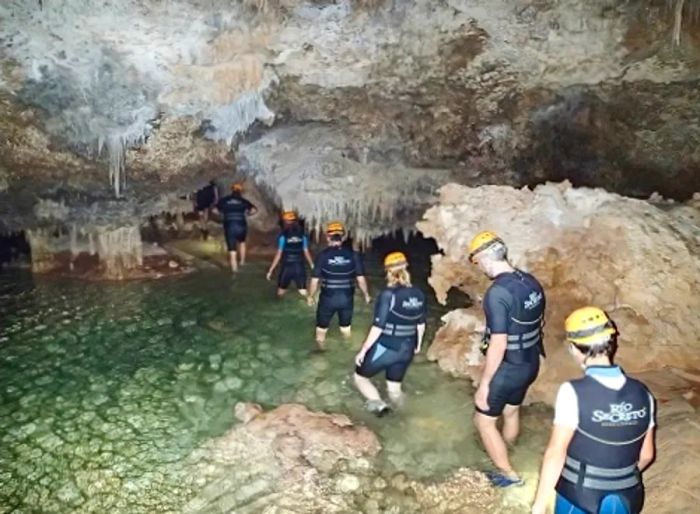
[
  {"x": 237, "y": 187},
  {"x": 289, "y": 216},
  {"x": 589, "y": 326},
  {"x": 335, "y": 227},
  {"x": 482, "y": 241},
  {"x": 395, "y": 260}
]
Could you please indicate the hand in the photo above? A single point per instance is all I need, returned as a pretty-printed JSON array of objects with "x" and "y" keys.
[
  {"x": 269, "y": 275},
  {"x": 360, "y": 356},
  {"x": 417, "y": 350},
  {"x": 537, "y": 509},
  {"x": 481, "y": 397},
  {"x": 368, "y": 299},
  {"x": 310, "y": 301}
]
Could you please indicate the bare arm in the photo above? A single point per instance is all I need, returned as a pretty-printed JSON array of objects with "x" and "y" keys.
[
  {"x": 275, "y": 261},
  {"x": 313, "y": 286},
  {"x": 421, "y": 333},
  {"x": 309, "y": 259},
  {"x": 494, "y": 357},
  {"x": 552, "y": 464},
  {"x": 362, "y": 284},
  {"x": 646, "y": 455}
]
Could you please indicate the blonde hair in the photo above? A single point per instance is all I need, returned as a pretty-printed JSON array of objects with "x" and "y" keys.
[{"x": 398, "y": 277}]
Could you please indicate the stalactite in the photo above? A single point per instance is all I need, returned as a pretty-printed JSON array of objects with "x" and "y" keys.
[
  {"x": 678, "y": 21},
  {"x": 119, "y": 250}
]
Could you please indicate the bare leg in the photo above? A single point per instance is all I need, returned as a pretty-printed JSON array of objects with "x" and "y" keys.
[
  {"x": 233, "y": 261},
  {"x": 511, "y": 423},
  {"x": 281, "y": 292},
  {"x": 366, "y": 388},
  {"x": 493, "y": 443},
  {"x": 242, "y": 250},
  {"x": 321, "y": 338},
  {"x": 303, "y": 292},
  {"x": 395, "y": 393},
  {"x": 346, "y": 332}
]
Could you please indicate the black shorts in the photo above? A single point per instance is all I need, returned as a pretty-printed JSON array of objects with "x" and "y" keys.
[
  {"x": 328, "y": 306},
  {"x": 235, "y": 234},
  {"x": 295, "y": 272},
  {"x": 393, "y": 362},
  {"x": 509, "y": 386}
]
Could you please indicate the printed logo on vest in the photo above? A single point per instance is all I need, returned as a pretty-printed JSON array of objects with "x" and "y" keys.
[
  {"x": 338, "y": 260},
  {"x": 294, "y": 239},
  {"x": 533, "y": 301},
  {"x": 619, "y": 414},
  {"x": 412, "y": 303}
]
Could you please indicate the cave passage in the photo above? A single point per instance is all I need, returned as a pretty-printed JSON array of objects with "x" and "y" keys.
[{"x": 108, "y": 388}]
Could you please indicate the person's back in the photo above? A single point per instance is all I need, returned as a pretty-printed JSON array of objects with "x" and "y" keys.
[
  {"x": 337, "y": 268},
  {"x": 614, "y": 414},
  {"x": 205, "y": 197},
  {"x": 293, "y": 242},
  {"x": 400, "y": 309},
  {"x": 514, "y": 304},
  {"x": 233, "y": 207}
]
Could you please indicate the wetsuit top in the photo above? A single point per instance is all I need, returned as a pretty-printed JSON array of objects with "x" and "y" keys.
[
  {"x": 292, "y": 242},
  {"x": 398, "y": 312},
  {"x": 613, "y": 414},
  {"x": 337, "y": 269},
  {"x": 514, "y": 305},
  {"x": 204, "y": 198},
  {"x": 234, "y": 208}
]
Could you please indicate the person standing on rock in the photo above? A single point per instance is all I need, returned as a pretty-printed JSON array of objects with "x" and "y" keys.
[
  {"x": 514, "y": 306},
  {"x": 337, "y": 269},
  {"x": 234, "y": 209},
  {"x": 395, "y": 337},
  {"x": 603, "y": 434},
  {"x": 292, "y": 248}
]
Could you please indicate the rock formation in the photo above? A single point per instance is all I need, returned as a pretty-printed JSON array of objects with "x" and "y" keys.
[
  {"x": 293, "y": 460},
  {"x": 640, "y": 260},
  {"x": 148, "y": 97}
]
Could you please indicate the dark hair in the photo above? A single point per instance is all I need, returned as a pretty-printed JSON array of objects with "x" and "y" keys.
[
  {"x": 336, "y": 238},
  {"x": 607, "y": 348}
]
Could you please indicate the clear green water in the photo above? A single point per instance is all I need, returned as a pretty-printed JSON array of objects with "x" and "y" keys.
[{"x": 106, "y": 388}]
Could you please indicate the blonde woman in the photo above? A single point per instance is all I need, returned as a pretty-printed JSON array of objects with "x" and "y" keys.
[{"x": 395, "y": 337}]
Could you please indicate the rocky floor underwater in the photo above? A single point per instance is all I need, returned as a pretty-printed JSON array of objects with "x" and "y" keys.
[{"x": 120, "y": 398}]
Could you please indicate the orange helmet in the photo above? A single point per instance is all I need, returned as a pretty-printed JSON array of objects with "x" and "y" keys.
[
  {"x": 335, "y": 227},
  {"x": 289, "y": 216},
  {"x": 236, "y": 187},
  {"x": 395, "y": 260}
]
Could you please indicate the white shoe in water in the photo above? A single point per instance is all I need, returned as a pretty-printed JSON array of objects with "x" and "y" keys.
[{"x": 377, "y": 407}]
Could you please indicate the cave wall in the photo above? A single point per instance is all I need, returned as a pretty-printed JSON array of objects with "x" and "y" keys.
[{"x": 146, "y": 97}]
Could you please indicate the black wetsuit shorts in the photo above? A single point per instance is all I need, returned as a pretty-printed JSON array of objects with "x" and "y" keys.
[
  {"x": 509, "y": 386},
  {"x": 293, "y": 272},
  {"x": 394, "y": 362},
  {"x": 329, "y": 305},
  {"x": 235, "y": 233}
]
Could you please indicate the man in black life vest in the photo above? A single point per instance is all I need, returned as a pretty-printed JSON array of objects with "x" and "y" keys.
[
  {"x": 603, "y": 434},
  {"x": 336, "y": 269},
  {"x": 292, "y": 248},
  {"x": 234, "y": 209},
  {"x": 514, "y": 306}
]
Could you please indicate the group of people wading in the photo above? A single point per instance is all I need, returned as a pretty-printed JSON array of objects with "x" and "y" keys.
[{"x": 603, "y": 432}]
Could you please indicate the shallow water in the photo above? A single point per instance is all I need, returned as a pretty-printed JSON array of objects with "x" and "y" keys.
[{"x": 106, "y": 388}]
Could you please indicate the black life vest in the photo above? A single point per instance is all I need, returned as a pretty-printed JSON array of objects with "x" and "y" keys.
[
  {"x": 525, "y": 323},
  {"x": 293, "y": 245},
  {"x": 338, "y": 271},
  {"x": 406, "y": 312},
  {"x": 234, "y": 208},
  {"x": 602, "y": 456}
]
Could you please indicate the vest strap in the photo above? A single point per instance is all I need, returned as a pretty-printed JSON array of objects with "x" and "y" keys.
[{"x": 595, "y": 477}]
